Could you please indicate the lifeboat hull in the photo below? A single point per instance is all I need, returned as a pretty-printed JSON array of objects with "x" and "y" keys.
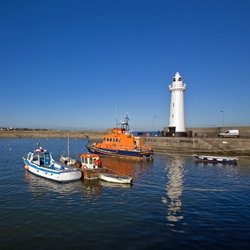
[{"x": 135, "y": 154}]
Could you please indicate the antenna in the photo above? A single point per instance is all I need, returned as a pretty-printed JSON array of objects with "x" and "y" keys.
[
  {"x": 68, "y": 144},
  {"x": 116, "y": 114}
]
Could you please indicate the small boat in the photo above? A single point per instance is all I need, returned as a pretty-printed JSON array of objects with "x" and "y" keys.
[
  {"x": 89, "y": 164},
  {"x": 115, "y": 178},
  {"x": 41, "y": 163},
  {"x": 122, "y": 143},
  {"x": 216, "y": 159},
  {"x": 67, "y": 160}
]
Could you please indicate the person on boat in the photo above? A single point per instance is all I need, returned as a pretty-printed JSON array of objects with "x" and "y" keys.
[{"x": 98, "y": 163}]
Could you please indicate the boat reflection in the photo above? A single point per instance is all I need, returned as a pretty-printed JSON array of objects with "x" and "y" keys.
[
  {"x": 115, "y": 185},
  {"x": 91, "y": 188},
  {"x": 43, "y": 187},
  {"x": 174, "y": 169},
  {"x": 125, "y": 167},
  {"x": 199, "y": 162}
]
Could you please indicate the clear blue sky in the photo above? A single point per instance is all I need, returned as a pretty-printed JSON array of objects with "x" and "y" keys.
[{"x": 76, "y": 64}]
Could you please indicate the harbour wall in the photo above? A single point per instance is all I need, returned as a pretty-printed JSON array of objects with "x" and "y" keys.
[
  {"x": 200, "y": 145},
  {"x": 92, "y": 135},
  {"x": 213, "y": 131},
  {"x": 202, "y": 141}
]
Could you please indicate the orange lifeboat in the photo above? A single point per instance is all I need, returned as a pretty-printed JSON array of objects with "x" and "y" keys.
[{"x": 122, "y": 143}]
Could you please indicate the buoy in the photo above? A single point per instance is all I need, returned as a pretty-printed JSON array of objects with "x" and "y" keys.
[{"x": 26, "y": 166}]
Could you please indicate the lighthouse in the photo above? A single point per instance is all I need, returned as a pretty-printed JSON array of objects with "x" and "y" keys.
[{"x": 176, "y": 125}]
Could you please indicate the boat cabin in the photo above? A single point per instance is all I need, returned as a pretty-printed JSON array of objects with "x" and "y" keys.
[
  {"x": 120, "y": 139},
  {"x": 90, "y": 161},
  {"x": 40, "y": 158}
]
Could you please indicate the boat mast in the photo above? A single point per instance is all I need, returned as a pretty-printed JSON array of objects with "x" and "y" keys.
[
  {"x": 68, "y": 146},
  {"x": 125, "y": 124}
]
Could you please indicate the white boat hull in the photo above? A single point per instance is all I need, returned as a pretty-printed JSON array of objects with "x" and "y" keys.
[
  {"x": 60, "y": 176},
  {"x": 41, "y": 163},
  {"x": 115, "y": 178}
]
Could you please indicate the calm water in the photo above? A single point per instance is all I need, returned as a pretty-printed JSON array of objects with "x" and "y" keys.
[{"x": 174, "y": 203}]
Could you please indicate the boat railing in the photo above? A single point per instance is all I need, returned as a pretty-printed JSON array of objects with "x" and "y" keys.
[{"x": 124, "y": 147}]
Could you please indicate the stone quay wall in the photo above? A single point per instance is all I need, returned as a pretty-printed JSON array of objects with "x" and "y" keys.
[
  {"x": 204, "y": 140},
  {"x": 92, "y": 135},
  {"x": 213, "y": 131},
  {"x": 220, "y": 146}
]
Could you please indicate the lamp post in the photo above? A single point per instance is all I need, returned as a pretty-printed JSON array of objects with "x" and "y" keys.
[
  {"x": 222, "y": 119},
  {"x": 153, "y": 124}
]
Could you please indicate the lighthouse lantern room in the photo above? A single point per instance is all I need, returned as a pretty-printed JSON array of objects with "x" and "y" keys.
[{"x": 176, "y": 125}]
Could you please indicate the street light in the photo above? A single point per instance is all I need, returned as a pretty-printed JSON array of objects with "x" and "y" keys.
[
  {"x": 222, "y": 119},
  {"x": 153, "y": 124}
]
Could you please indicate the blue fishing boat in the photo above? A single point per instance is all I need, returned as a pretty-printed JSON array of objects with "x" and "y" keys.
[
  {"x": 216, "y": 159},
  {"x": 41, "y": 163}
]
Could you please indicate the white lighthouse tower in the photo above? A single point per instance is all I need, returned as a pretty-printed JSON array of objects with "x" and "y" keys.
[{"x": 176, "y": 116}]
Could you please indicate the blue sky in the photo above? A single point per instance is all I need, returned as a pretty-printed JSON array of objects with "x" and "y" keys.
[{"x": 80, "y": 64}]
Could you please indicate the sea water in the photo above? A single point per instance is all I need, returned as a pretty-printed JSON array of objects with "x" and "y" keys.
[{"x": 174, "y": 203}]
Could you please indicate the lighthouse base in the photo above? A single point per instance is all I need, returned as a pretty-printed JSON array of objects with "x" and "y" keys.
[
  {"x": 172, "y": 133},
  {"x": 177, "y": 134}
]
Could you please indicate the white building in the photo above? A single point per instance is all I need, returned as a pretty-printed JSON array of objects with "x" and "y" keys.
[{"x": 177, "y": 116}]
